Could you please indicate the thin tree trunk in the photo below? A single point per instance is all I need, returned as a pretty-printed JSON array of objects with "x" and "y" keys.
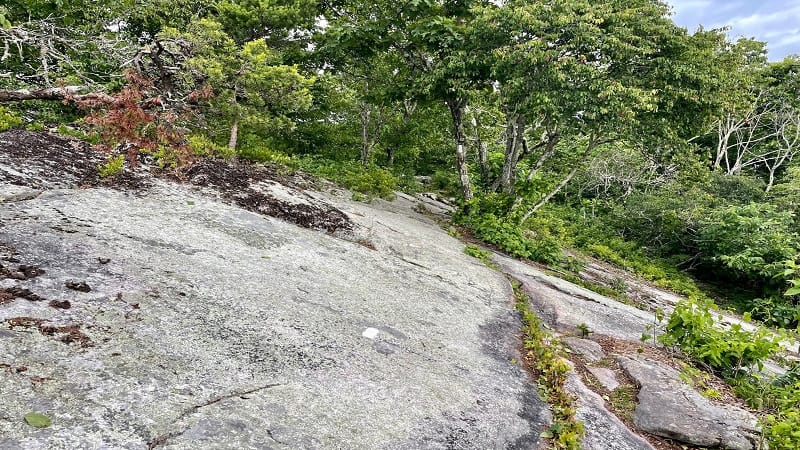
[
  {"x": 234, "y": 139},
  {"x": 550, "y": 148},
  {"x": 457, "y": 108},
  {"x": 483, "y": 151},
  {"x": 515, "y": 126},
  {"x": 593, "y": 143},
  {"x": 551, "y": 194}
]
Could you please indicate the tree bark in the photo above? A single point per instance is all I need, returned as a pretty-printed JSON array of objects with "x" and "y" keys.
[
  {"x": 234, "y": 139},
  {"x": 457, "y": 108},
  {"x": 56, "y": 93},
  {"x": 515, "y": 127}
]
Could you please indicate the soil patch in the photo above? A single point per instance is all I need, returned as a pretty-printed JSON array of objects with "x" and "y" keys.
[
  {"x": 7, "y": 295},
  {"x": 43, "y": 160},
  {"x": 236, "y": 180},
  {"x": 67, "y": 334}
]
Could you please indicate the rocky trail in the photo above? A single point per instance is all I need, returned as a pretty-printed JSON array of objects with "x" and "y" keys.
[{"x": 228, "y": 305}]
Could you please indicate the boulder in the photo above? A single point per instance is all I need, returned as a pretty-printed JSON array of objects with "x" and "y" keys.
[{"x": 670, "y": 408}]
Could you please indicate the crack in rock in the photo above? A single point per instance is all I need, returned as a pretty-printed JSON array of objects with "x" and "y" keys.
[{"x": 162, "y": 439}]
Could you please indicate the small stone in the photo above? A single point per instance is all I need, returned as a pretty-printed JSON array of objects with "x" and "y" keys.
[
  {"x": 606, "y": 377},
  {"x": 370, "y": 333},
  {"x": 80, "y": 286},
  {"x": 588, "y": 350}
]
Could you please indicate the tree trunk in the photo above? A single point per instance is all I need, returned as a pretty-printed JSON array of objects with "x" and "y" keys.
[
  {"x": 515, "y": 127},
  {"x": 593, "y": 143},
  {"x": 56, "y": 93},
  {"x": 483, "y": 151},
  {"x": 365, "y": 115},
  {"x": 233, "y": 141},
  {"x": 457, "y": 108},
  {"x": 550, "y": 148}
]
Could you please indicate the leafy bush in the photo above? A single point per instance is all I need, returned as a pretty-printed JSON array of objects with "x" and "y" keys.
[
  {"x": 8, "y": 120},
  {"x": 372, "y": 181},
  {"x": 112, "y": 166},
  {"x": 776, "y": 311},
  {"x": 752, "y": 241},
  {"x": 202, "y": 146},
  {"x": 691, "y": 328},
  {"x": 510, "y": 238},
  {"x": 782, "y": 430},
  {"x": 476, "y": 252}
]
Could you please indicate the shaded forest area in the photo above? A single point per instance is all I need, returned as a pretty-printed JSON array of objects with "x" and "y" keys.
[{"x": 597, "y": 126}]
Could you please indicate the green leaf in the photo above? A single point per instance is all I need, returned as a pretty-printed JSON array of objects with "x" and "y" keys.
[
  {"x": 37, "y": 420},
  {"x": 792, "y": 291}
]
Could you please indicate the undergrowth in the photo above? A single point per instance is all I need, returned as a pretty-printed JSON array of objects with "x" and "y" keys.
[{"x": 544, "y": 355}]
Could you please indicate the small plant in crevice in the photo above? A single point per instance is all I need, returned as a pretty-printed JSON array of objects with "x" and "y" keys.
[
  {"x": 651, "y": 330},
  {"x": 482, "y": 255},
  {"x": 113, "y": 166},
  {"x": 545, "y": 358},
  {"x": 583, "y": 329}
]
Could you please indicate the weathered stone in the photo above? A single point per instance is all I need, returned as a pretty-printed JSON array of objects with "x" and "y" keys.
[
  {"x": 588, "y": 350},
  {"x": 564, "y": 305},
  {"x": 670, "y": 408},
  {"x": 604, "y": 431},
  {"x": 215, "y": 327},
  {"x": 605, "y": 376}
]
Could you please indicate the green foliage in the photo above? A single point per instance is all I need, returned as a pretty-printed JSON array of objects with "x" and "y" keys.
[
  {"x": 487, "y": 219},
  {"x": 545, "y": 355},
  {"x": 114, "y": 165},
  {"x": 8, "y": 120},
  {"x": 776, "y": 311},
  {"x": 79, "y": 133},
  {"x": 753, "y": 240},
  {"x": 691, "y": 327},
  {"x": 204, "y": 147},
  {"x": 483, "y": 255},
  {"x": 372, "y": 181}
]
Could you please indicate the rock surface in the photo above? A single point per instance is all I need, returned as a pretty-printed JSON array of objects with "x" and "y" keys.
[
  {"x": 210, "y": 326},
  {"x": 670, "y": 408},
  {"x": 589, "y": 351},
  {"x": 604, "y": 431},
  {"x": 565, "y": 306}
]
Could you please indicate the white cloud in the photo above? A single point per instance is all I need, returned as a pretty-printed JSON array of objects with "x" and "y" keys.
[{"x": 776, "y": 22}]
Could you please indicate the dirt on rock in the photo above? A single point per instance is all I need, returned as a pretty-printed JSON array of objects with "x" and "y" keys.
[
  {"x": 236, "y": 180},
  {"x": 67, "y": 334},
  {"x": 41, "y": 160}
]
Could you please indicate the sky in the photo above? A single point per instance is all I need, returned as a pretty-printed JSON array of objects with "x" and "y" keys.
[{"x": 776, "y": 22}]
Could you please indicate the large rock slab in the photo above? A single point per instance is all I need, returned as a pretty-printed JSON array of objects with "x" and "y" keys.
[
  {"x": 209, "y": 326},
  {"x": 670, "y": 408},
  {"x": 564, "y": 305}
]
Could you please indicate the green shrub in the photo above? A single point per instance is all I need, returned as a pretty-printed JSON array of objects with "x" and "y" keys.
[
  {"x": 752, "y": 241},
  {"x": 782, "y": 430},
  {"x": 776, "y": 311},
  {"x": 8, "y": 120},
  {"x": 202, "y": 146},
  {"x": 483, "y": 255},
  {"x": 372, "y": 181},
  {"x": 691, "y": 328},
  {"x": 113, "y": 166}
]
